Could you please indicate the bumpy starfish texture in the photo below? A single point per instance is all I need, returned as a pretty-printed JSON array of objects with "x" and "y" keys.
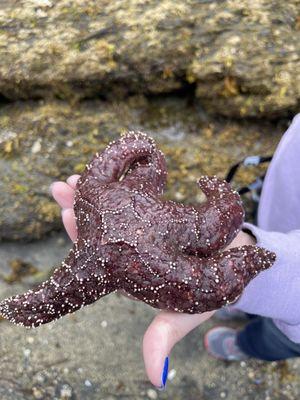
[{"x": 161, "y": 252}]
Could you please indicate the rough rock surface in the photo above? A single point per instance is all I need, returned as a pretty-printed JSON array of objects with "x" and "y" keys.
[
  {"x": 42, "y": 142},
  {"x": 241, "y": 57},
  {"x": 96, "y": 354}
]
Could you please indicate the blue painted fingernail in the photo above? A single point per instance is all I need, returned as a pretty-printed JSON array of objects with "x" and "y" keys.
[{"x": 164, "y": 374}]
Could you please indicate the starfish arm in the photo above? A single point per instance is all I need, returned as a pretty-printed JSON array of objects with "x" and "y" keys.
[
  {"x": 211, "y": 226},
  {"x": 194, "y": 285},
  {"x": 72, "y": 286},
  {"x": 225, "y": 214},
  {"x": 133, "y": 160},
  {"x": 226, "y": 274}
]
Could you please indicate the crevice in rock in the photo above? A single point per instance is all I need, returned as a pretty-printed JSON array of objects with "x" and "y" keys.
[
  {"x": 187, "y": 90},
  {"x": 4, "y": 100}
]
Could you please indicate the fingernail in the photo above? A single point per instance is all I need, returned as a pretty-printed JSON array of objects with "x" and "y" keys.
[
  {"x": 164, "y": 375},
  {"x": 69, "y": 180}
]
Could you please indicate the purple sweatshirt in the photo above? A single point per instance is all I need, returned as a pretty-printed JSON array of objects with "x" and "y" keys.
[{"x": 275, "y": 293}]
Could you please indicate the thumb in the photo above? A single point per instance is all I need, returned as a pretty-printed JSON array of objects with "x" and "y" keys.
[{"x": 164, "y": 332}]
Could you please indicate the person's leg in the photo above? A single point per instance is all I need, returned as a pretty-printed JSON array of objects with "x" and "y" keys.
[
  {"x": 263, "y": 340},
  {"x": 259, "y": 339}
]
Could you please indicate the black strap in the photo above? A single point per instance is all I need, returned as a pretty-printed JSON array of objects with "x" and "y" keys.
[
  {"x": 255, "y": 186},
  {"x": 251, "y": 160}
]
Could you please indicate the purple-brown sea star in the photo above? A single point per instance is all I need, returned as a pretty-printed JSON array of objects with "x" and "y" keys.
[{"x": 161, "y": 252}]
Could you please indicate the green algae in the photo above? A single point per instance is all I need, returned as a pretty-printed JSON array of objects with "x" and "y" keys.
[{"x": 19, "y": 269}]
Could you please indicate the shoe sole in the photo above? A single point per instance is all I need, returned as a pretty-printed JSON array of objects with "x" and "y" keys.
[{"x": 206, "y": 344}]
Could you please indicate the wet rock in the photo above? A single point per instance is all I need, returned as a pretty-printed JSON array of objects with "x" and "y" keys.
[
  {"x": 152, "y": 394},
  {"x": 198, "y": 146},
  {"x": 241, "y": 57}
]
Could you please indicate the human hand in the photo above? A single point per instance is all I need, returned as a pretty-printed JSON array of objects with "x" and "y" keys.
[{"x": 167, "y": 328}]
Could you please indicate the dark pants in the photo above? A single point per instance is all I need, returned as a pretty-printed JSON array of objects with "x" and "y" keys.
[{"x": 262, "y": 339}]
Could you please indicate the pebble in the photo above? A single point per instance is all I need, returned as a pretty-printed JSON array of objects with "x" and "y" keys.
[
  {"x": 251, "y": 374},
  {"x": 172, "y": 374},
  {"x": 222, "y": 395},
  {"x": 40, "y": 378},
  {"x": 151, "y": 393},
  {"x": 66, "y": 392},
  {"x": 104, "y": 324},
  {"x": 30, "y": 339},
  {"x": 37, "y": 393},
  {"x": 88, "y": 383},
  {"x": 36, "y": 147},
  {"x": 41, "y": 13},
  {"x": 26, "y": 352}
]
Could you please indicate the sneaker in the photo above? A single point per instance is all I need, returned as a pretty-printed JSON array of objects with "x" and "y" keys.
[
  {"x": 220, "y": 343},
  {"x": 230, "y": 314}
]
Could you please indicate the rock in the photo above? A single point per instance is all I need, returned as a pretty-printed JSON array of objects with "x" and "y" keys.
[
  {"x": 152, "y": 394},
  {"x": 37, "y": 393},
  {"x": 66, "y": 392},
  {"x": 198, "y": 145},
  {"x": 172, "y": 374},
  {"x": 240, "y": 57},
  {"x": 104, "y": 324}
]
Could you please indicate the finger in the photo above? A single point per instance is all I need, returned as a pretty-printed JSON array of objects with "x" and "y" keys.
[
  {"x": 72, "y": 181},
  {"x": 63, "y": 194},
  {"x": 68, "y": 218},
  {"x": 164, "y": 332}
]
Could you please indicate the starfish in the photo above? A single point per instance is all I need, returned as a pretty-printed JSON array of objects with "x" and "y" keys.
[{"x": 167, "y": 254}]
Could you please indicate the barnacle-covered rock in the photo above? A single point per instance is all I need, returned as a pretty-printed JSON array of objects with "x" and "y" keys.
[{"x": 240, "y": 56}]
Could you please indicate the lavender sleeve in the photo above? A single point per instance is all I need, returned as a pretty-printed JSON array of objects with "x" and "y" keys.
[{"x": 275, "y": 293}]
